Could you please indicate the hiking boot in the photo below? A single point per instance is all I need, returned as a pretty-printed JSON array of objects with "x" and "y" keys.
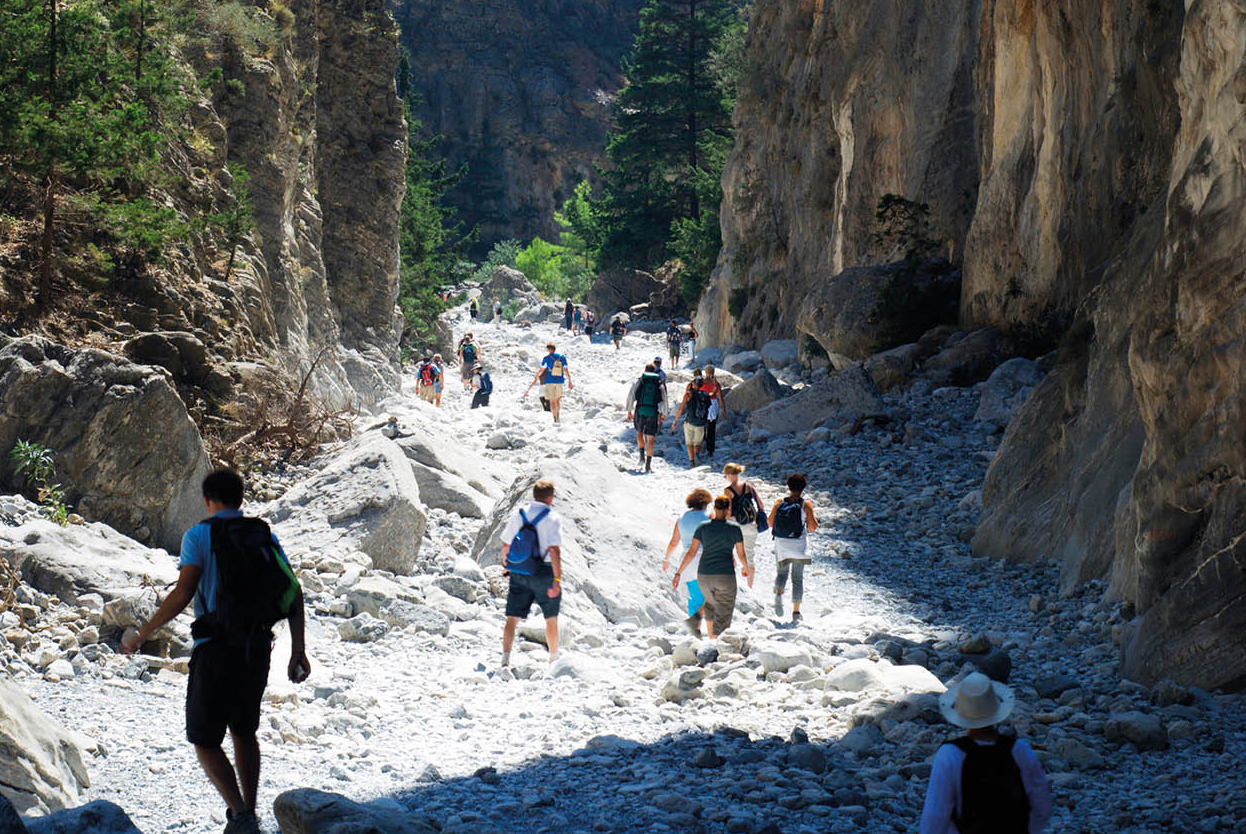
[
  {"x": 642, "y": 454},
  {"x": 693, "y": 624},
  {"x": 648, "y": 464},
  {"x": 796, "y": 618},
  {"x": 778, "y": 605},
  {"x": 243, "y": 823}
]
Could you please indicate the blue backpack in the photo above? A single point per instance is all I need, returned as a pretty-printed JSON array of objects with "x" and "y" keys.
[
  {"x": 524, "y": 557},
  {"x": 486, "y": 384}
]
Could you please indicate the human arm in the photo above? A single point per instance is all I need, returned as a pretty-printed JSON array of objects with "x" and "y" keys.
[
  {"x": 688, "y": 557},
  {"x": 566, "y": 372},
  {"x": 811, "y": 520},
  {"x": 555, "y": 562},
  {"x": 670, "y": 547},
  {"x": 745, "y": 569},
  {"x": 941, "y": 793},
  {"x": 631, "y": 399},
  {"x": 299, "y": 667},
  {"x": 539, "y": 373},
  {"x": 181, "y": 595},
  {"x": 1037, "y": 789},
  {"x": 773, "y": 512}
]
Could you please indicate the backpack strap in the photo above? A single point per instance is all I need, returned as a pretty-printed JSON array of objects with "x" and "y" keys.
[{"x": 536, "y": 519}]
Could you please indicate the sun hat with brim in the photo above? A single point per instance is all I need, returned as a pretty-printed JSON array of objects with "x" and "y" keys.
[{"x": 977, "y": 702}]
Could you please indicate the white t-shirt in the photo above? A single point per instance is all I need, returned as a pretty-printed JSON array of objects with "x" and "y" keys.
[{"x": 548, "y": 529}]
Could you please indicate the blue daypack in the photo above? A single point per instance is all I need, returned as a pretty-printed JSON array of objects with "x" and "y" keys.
[
  {"x": 524, "y": 557},
  {"x": 486, "y": 384}
]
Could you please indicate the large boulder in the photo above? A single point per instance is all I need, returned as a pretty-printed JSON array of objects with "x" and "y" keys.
[
  {"x": 364, "y": 498},
  {"x": 507, "y": 284},
  {"x": 608, "y": 570},
  {"x": 780, "y": 353},
  {"x": 839, "y": 313},
  {"x": 892, "y": 368},
  {"x": 668, "y": 302},
  {"x": 127, "y": 452},
  {"x": 839, "y": 398},
  {"x": 968, "y": 360},
  {"x": 41, "y": 765},
  {"x": 1007, "y": 389},
  {"x": 184, "y": 356},
  {"x": 98, "y": 817},
  {"x": 70, "y": 561},
  {"x": 620, "y": 289},
  {"x": 451, "y": 477},
  {"x": 745, "y": 360},
  {"x": 758, "y": 391},
  {"x": 310, "y": 811}
]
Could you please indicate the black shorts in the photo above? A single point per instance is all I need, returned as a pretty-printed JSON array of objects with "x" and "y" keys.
[
  {"x": 225, "y": 689},
  {"x": 646, "y": 424},
  {"x": 526, "y": 590}
]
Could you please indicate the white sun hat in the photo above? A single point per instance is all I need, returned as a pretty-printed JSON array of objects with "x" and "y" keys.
[{"x": 977, "y": 702}]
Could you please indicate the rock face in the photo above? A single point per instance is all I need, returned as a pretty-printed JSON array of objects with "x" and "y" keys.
[
  {"x": 618, "y": 290},
  {"x": 522, "y": 92},
  {"x": 506, "y": 285},
  {"x": 758, "y": 391},
  {"x": 126, "y": 449},
  {"x": 41, "y": 765},
  {"x": 837, "y": 399}
]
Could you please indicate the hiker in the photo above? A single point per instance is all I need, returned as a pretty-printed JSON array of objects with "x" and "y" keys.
[
  {"x": 234, "y": 570},
  {"x": 552, "y": 374},
  {"x": 791, "y": 521},
  {"x": 426, "y": 379},
  {"x": 473, "y": 310},
  {"x": 697, "y": 405},
  {"x": 617, "y": 331},
  {"x": 568, "y": 312},
  {"x": 747, "y": 510},
  {"x": 692, "y": 342},
  {"x": 657, "y": 367},
  {"x": 532, "y": 558},
  {"x": 681, "y": 537},
  {"x": 439, "y": 366},
  {"x": 497, "y": 312},
  {"x": 590, "y": 321},
  {"x": 469, "y": 355},
  {"x": 720, "y": 544},
  {"x": 718, "y": 407},
  {"x": 984, "y": 782},
  {"x": 577, "y": 320},
  {"x": 674, "y": 342},
  {"x": 483, "y": 384},
  {"x": 646, "y": 409}
]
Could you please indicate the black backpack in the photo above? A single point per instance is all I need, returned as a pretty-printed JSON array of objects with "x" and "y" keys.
[
  {"x": 993, "y": 798},
  {"x": 255, "y": 588},
  {"x": 789, "y": 520},
  {"x": 698, "y": 408},
  {"x": 743, "y": 509}
]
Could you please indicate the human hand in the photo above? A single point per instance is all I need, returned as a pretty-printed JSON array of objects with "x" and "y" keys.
[
  {"x": 554, "y": 590},
  {"x": 675, "y": 581},
  {"x": 666, "y": 565},
  {"x": 299, "y": 667},
  {"x": 130, "y": 641}
]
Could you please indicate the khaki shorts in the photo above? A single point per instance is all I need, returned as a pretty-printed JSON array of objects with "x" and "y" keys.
[
  {"x": 553, "y": 392},
  {"x": 693, "y": 435},
  {"x": 720, "y": 594},
  {"x": 428, "y": 393}
]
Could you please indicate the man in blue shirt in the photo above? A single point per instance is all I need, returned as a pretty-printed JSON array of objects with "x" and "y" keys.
[
  {"x": 553, "y": 373},
  {"x": 226, "y": 681}
]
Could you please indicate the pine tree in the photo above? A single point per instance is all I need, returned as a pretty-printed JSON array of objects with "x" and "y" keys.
[{"x": 673, "y": 125}]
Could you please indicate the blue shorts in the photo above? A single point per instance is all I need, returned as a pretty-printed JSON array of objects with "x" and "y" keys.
[{"x": 695, "y": 598}]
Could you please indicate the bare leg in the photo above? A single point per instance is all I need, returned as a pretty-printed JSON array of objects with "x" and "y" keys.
[
  {"x": 551, "y": 635},
  {"x": 221, "y": 773},
  {"x": 709, "y": 628},
  {"x": 508, "y": 634},
  {"x": 649, "y": 441},
  {"x": 247, "y": 758}
]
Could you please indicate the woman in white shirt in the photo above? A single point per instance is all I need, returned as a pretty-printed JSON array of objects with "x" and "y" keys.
[{"x": 681, "y": 537}]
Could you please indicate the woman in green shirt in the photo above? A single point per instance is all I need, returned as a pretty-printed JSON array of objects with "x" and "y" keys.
[{"x": 721, "y": 542}]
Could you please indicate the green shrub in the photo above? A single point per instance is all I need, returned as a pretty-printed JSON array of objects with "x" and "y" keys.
[{"x": 37, "y": 465}]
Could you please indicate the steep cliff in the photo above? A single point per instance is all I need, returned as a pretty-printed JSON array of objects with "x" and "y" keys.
[{"x": 522, "y": 93}]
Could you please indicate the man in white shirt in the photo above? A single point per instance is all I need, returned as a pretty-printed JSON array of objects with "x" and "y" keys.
[
  {"x": 540, "y": 581},
  {"x": 984, "y": 782}
]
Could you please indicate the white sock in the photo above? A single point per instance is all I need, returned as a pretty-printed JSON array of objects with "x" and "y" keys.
[{"x": 506, "y": 658}]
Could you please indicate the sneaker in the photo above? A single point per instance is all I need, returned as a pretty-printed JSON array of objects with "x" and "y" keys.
[
  {"x": 796, "y": 618},
  {"x": 778, "y": 605},
  {"x": 648, "y": 464},
  {"x": 244, "y": 823}
]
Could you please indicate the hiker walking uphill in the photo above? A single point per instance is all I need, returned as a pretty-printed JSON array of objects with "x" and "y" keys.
[
  {"x": 428, "y": 378},
  {"x": 590, "y": 321},
  {"x": 720, "y": 544},
  {"x": 469, "y": 355},
  {"x": 483, "y": 384},
  {"x": 718, "y": 407},
  {"x": 532, "y": 558},
  {"x": 681, "y": 537},
  {"x": 984, "y": 782},
  {"x": 791, "y": 521},
  {"x": 234, "y": 570},
  {"x": 646, "y": 410},
  {"x": 552, "y": 375},
  {"x": 568, "y": 313},
  {"x": 497, "y": 313},
  {"x": 674, "y": 342},
  {"x": 695, "y": 408},
  {"x": 617, "y": 331},
  {"x": 747, "y": 509},
  {"x": 473, "y": 310},
  {"x": 577, "y": 320}
]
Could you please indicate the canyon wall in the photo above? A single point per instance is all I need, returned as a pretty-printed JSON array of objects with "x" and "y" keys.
[{"x": 520, "y": 92}]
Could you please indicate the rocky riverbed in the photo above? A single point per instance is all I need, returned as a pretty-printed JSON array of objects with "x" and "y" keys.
[{"x": 829, "y": 724}]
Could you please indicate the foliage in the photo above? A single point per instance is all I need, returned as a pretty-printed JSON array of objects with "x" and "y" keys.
[
  {"x": 918, "y": 296},
  {"x": 581, "y": 224},
  {"x": 696, "y": 240},
  {"x": 903, "y": 227},
  {"x": 554, "y": 270},
  {"x": 673, "y": 130},
  {"x": 812, "y": 347},
  {"x": 237, "y": 219},
  {"x": 37, "y": 464},
  {"x": 728, "y": 60},
  {"x": 503, "y": 253}
]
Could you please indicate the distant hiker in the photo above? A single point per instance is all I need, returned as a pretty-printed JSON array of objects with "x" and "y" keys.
[
  {"x": 747, "y": 510},
  {"x": 391, "y": 428},
  {"x": 681, "y": 537},
  {"x": 483, "y": 385},
  {"x": 692, "y": 337},
  {"x": 426, "y": 379},
  {"x": 532, "y": 557},
  {"x": 674, "y": 342},
  {"x": 577, "y": 320},
  {"x": 696, "y": 405},
  {"x": 568, "y": 313},
  {"x": 617, "y": 331},
  {"x": 791, "y": 522},
  {"x": 718, "y": 407},
  {"x": 720, "y": 544},
  {"x": 497, "y": 312},
  {"x": 984, "y": 782},
  {"x": 473, "y": 309},
  {"x": 240, "y": 580},
  {"x": 552, "y": 374},
  {"x": 441, "y": 378},
  {"x": 646, "y": 410},
  {"x": 469, "y": 355},
  {"x": 590, "y": 321},
  {"x": 657, "y": 367}
]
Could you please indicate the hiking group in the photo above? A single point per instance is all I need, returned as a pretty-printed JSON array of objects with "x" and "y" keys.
[{"x": 430, "y": 374}]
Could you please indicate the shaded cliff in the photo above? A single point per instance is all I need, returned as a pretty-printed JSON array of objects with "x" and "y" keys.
[
  {"x": 522, "y": 92},
  {"x": 1081, "y": 168}
]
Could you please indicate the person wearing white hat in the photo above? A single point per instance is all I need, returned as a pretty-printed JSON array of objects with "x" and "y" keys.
[{"x": 984, "y": 782}]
